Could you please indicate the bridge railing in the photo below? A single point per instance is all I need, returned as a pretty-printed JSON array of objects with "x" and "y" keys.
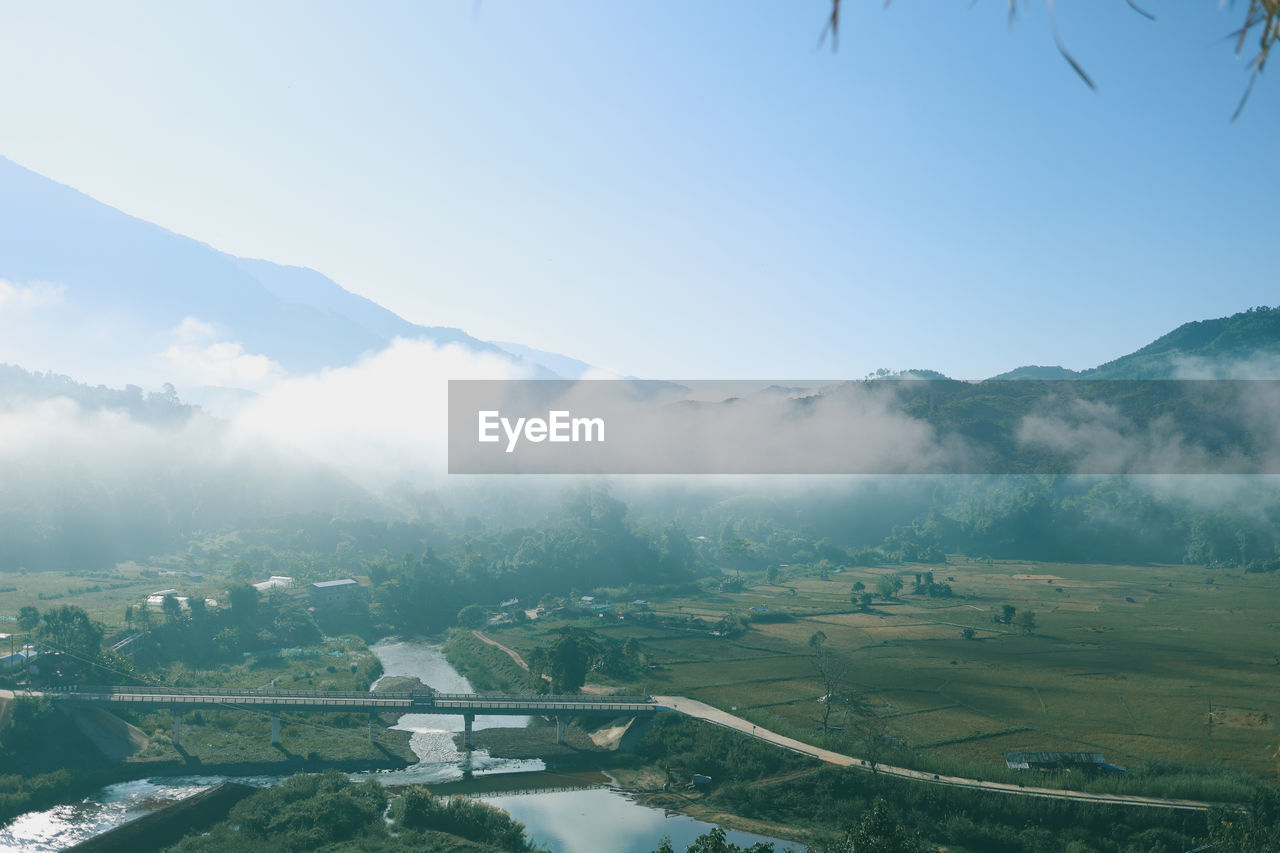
[
  {"x": 549, "y": 697},
  {"x": 420, "y": 696},
  {"x": 247, "y": 691}
]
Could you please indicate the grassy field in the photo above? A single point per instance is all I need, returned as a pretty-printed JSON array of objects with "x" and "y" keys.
[
  {"x": 1140, "y": 663},
  {"x": 104, "y": 595}
]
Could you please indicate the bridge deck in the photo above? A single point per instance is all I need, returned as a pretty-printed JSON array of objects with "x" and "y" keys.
[{"x": 418, "y": 702}]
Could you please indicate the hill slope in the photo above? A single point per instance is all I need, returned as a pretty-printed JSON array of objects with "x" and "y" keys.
[
  {"x": 104, "y": 288},
  {"x": 1244, "y": 345}
]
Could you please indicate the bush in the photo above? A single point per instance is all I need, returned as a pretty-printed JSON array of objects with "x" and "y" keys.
[{"x": 417, "y": 808}]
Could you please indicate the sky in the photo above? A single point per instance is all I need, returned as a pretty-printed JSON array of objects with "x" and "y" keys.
[{"x": 687, "y": 190}]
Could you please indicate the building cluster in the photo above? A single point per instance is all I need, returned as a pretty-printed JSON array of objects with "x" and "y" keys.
[{"x": 322, "y": 595}]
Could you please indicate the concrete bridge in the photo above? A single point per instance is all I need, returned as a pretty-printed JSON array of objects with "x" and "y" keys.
[{"x": 466, "y": 705}]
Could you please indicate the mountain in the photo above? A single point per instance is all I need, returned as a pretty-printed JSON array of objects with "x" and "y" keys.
[
  {"x": 1226, "y": 346},
  {"x": 20, "y": 387},
  {"x": 1035, "y": 371},
  {"x": 561, "y": 365},
  {"x": 1242, "y": 346},
  {"x": 105, "y": 288}
]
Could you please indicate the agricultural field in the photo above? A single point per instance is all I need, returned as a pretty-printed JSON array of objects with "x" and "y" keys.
[{"x": 1142, "y": 664}]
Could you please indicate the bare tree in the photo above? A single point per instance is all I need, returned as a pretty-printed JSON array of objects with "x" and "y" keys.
[
  {"x": 1261, "y": 20},
  {"x": 832, "y": 674}
]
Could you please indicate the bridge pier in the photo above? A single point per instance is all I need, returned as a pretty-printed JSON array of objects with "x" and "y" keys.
[
  {"x": 468, "y": 720},
  {"x": 173, "y": 711},
  {"x": 275, "y": 728},
  {"x": 373, "y": 735},
  {"x": 559, "y": 729}
]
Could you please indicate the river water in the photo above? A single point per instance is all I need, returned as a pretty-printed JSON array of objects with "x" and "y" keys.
[{"x": 587, "y": 820}]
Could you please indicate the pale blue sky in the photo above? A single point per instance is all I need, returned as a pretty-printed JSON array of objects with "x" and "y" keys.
[{"x": 686, "y": 189}]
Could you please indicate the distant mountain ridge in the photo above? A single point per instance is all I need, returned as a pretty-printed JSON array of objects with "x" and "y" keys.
[
  {"x": 145, "y": 280},
  {"x": 1221, "y": 342}
]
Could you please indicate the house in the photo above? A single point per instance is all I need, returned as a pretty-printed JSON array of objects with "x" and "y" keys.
[
  {"x": 273, "y": 582},
  {"x": 333, "y": 595},
  {"x": 1089, "y": 761},
  {"x": 16, "y": 660},
  {"x": 155, "y": 601}
]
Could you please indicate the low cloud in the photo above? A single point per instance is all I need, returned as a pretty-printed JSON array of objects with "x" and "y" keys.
[
  {"x": 198, "y": 356},
  {"x": 1096, "y": 438},
  {"x": 380, "y": 421},
  {"x": 1263, "y": 365},
  {"x": 20, "y": 298}
]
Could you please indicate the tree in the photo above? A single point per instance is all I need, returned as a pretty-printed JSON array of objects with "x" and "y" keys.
[
  {"x": 714, "y": 841},
  {"x": 244, "y": 603},
  {"x": 888, "y": 587},
  {"x": 28, "y": 618},
  {"x": 569, "y": 658},
  {"x": 471, "y": 616},
  {"x": 69, "y": 629},
  {"x": 880, "y": 832},
  {"x": 294, "y": 626},
  {"x": 831, "y": 674},
  {"x": 241, "y": 572},
  {"x": 968, "y": 633},
  {"x": 1027, "y": 621},
  {"x": 1006, "y": 613},
  {"x": 172, "y": 607}
]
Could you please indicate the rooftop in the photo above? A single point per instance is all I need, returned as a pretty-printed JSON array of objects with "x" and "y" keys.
[{"x": 332, "y": 584}]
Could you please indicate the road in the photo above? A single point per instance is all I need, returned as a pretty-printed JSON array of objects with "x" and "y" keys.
[
  {"x": 512, "y": 653},
  {"x": 711, "y": 714}
]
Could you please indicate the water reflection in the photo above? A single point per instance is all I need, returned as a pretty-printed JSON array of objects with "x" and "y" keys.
[
  {"x": 589, "y": 821},
  {"x": 63, "y": 826}
]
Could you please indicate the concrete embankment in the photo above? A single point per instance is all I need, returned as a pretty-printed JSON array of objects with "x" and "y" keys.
[{"x": 162, "y": 828}]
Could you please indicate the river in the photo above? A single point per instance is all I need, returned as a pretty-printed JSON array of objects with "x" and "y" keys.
[{"x": 586, "y": 820}]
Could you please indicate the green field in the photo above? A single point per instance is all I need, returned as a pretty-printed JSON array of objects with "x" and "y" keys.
[{"x": 1140, "y": 663}]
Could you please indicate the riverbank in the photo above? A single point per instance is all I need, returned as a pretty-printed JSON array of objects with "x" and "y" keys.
[
  {"x": 649, "y": 785},
  {"x": 168, "y": 825},
  {"x": 603, "y": 753}
]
